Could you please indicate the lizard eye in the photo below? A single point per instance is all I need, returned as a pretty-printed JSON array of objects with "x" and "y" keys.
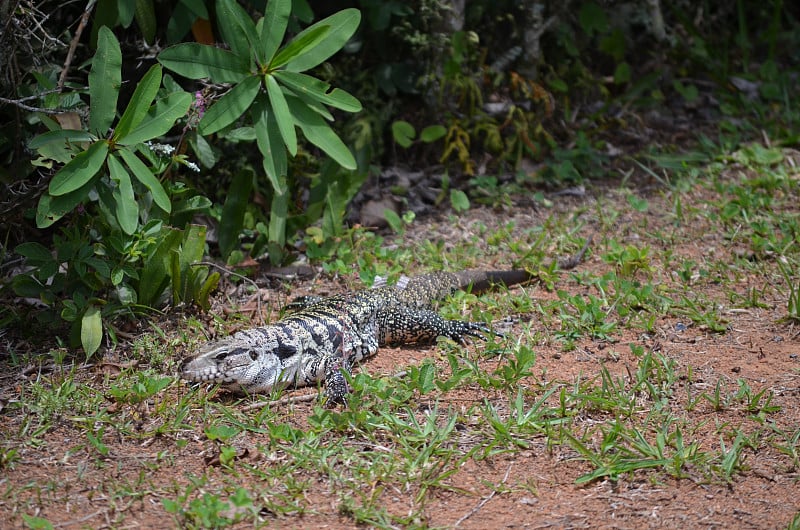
[
  {"x": 253, "y": 354},
  {"x": 221, "y": 355}
]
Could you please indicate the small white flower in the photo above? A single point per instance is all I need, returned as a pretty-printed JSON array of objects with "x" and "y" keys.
[
  {"x": 161, "y": 149},
  {"x": 192, "y": 166}
]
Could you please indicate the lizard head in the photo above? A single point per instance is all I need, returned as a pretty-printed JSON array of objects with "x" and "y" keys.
[{"x": 241, "y": 363}]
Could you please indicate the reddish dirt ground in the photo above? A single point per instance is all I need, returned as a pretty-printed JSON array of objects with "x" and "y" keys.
[{"x": 534, "y": 487}]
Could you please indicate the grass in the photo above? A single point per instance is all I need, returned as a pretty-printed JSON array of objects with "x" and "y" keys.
[{"x": 584, "y": 374}]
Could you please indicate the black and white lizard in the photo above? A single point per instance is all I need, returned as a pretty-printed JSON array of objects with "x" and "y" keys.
[{"x": 326, "y": 336}]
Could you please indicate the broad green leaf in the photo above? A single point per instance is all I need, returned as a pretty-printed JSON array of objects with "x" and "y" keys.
[
  {"x": 140, "y": 102},
  {"x": 193, "y": 246},
  {"x": 159, "y": 119},
  {"x": 403, "y": 133},
  {"x": 197, "y": 61},
  {"x": 277, "y": 218},
  {"x": 52, "y": 208},
  {"x": 203, "y": 150},
  {"x": 459, "y": 200},
  {"x": 232, "y": 218},
  {"x": 320, "y": 134},
  {"x": 432, "y": 133},
  {"x": 127, "y": 209},
  {"x": 79, "y": 170},
  {"x": 143, "y": 175},
  {"x": 125, "y": 13},
  {"x": 191, "y": 205},
  {"x": 61, "y": 136},
  {"x": 36, "y": 523},
  {"x": 237, "y": 28},
  {"x": 36, "y": 253},
  {"x": 272, "y": 27},
  {"x": 184, "y": 15},
  {"x": 27, "y": 286},
  {"x": 312, "y": 103},
  {"x": 230, "y": 106},
  {"x": 343, "y": 24},
  {"x": 105, "y": 79},
  {"x": 155, "y": 275},
  {"x": 319, "y": 90},
  {"x": 175, "y": 276},
  {"x": 282, "y": 114},
  {"x": 300, "y": 45},
  {"x": 91, "y": 330},
  {"x": 270, "y": 143},
  {"x": 146, "y": 19},
  {"x": 209, "y": 285}
]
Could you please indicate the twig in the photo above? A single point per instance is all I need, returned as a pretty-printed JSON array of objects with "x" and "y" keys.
[
  {"x": 483, "y": 501},
  {"x": 74, "y": 44},
  {"x": 243, "y": 277},
  {"x": 23, "y": 106},
  {"x": 283, "y": 401}
]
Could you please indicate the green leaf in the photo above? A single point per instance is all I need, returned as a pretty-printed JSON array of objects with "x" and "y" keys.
[
  {"x": 277, "y": 221},
  {"x": 105, "y": 79},
  {"x": 232, "y": 218},
  {"x": 198, "y": 61},
  {"x": 459, "y": 200},
  {"x": 91, "y": 330},
  {"x": 159, "y": 119},
  {"x": 282, "y": 114},
  {"x": 237, "y": 28},
  {"x": 155, "y": 275},
  {"x": 300, "y": 45},
  {"x": 79, "y": 170},
  {"x": 205, "y": 290},
  {"x": 127, "y": 209},
  {"x": 270, "y": 143},
  {"x": 193, "y": 245},
  {"x": 37, "y": 523},
  {"x": 403, "y": 133},
  {"x": 184, "y": 15},
  {"x": 145, "y": 19},
  {"x": 622, "y": 74},
  {"x": 51, "y": 208},
  {"x": 176, "y": 278},
  {"x": 432, "y": 133},
  {"x": 36, "y": 253},
  {"x": 27, "y": 286},
  {"x": 592, "y": 18},
  {"x": 342, "y": 26},
  {"x": 230, "y": 106},
  {"x": 272, "y": 27},
  {"x": 140, "y": 102},
  {"x": 319, "y": 90},
  {"x": 61, "y": 136},
  {"x": 320, "y": 134},
  {"x": 146, "y": 177}
]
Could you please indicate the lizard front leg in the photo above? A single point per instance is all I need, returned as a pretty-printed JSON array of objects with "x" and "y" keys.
[{"x": 404, "y": 325}]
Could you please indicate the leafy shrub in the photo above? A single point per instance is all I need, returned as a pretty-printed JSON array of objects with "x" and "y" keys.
[
  {"x": 270, "y": 92},
  {"x": 118, "y": 253}
]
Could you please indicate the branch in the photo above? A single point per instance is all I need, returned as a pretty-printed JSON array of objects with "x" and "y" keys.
[{"x": 74, "y": 43}]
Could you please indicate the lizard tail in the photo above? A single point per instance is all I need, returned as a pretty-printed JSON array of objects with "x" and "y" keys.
[{"x": 484, "y": 280}]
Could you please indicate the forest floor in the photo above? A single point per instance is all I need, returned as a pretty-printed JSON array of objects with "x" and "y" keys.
[{"x": 657, "y": 384}]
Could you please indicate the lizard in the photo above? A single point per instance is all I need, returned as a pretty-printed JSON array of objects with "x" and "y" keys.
[{"x": 325, "y": 337}]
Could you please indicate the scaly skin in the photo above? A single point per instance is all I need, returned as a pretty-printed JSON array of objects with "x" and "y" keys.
[{"x": 325, "y": 337}]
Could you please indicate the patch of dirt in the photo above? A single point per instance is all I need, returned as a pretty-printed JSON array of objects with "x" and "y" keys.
[{"x": 60, "y": 477}]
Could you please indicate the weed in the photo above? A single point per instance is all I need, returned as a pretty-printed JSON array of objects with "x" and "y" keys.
[{"x": 587, "y": 316}]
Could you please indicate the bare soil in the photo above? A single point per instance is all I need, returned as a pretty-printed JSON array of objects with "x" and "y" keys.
[{"x": 63, "y": 480}]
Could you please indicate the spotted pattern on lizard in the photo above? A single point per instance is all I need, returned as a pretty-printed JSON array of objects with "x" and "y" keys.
[{"x": 327, "y": 336}]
